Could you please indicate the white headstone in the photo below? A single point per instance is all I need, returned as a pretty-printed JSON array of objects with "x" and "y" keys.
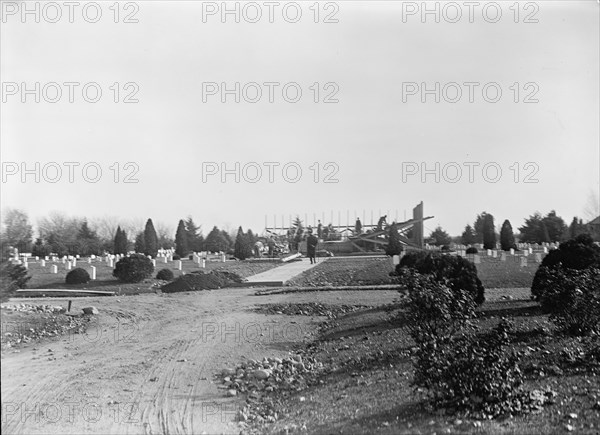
[
  {"x": 153, "y": 262},
  {"x": 26, "y": 265},
  {"x": 545, "y": 250},
  {"x": 69, "y": 266},
  {"x": 93, "y": 272},
  {"x": 54, "y": 268},
  {"x": 203, "y": 263},
  {"x": 512, "y": 251},
  {"x": 110, "y": 262},
  {"x": 179, "y": 264},
  {"x": 43, "y": 263},
  {"x": 164, "y": 259},
  {"x": 396, "y": 259},
  {"x": 46, "y": 258},
  {"x": 523, "y": 261},
  {"x": 37, "y": 258},
  {"x": 538, "y": 257},
  {"x": 494, "y": 254},
  {"x": 503, "y": 256},
  {"x": 74, "y": 262},
  {"x": 223, "y": 257},
  {"x": 93, "y": 257},
  {"x": 64, "y": 260},
  {"x": 489, "y": 252},
  {"x": 89, "y": 260},
  {"x": 77, "y": 256},
  {"x": 530, "y": 251},
  {"x": 476, "y": 259}
]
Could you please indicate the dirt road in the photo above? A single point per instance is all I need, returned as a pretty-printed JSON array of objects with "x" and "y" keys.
[{"x": 146, "y": 364}]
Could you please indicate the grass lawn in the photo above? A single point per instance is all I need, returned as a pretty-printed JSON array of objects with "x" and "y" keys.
[
  {"x": 42, "y": 278},
  {"x": 343, "y": 271}
]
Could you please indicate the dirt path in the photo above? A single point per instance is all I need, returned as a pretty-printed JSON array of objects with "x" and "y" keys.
[
  {"x": 145, "y": 366},
  {"x": 285, "y": 272}
]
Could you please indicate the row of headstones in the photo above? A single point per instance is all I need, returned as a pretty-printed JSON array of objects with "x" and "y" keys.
[{"x": 477, "y": 259}]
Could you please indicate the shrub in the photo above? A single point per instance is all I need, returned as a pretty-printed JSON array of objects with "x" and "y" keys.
[
  {"x": 471, "y": 250},
  {"x": 471, "y": 372},
  {"x": 456, "y": 272},
  {"x": 78, "y": 276},
  {"x": 433, "y": 309},
  {"x": 134, "y": 268},
  {"x": 572, "y": 297},
  {"x": 176, "y": 257},
  {"x": 578, "y": 253},
  {"x": 165, "y": 275},
  {"x": 12, "y": 278}
]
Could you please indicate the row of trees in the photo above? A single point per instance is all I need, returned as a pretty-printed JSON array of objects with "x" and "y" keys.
[
  {"x": 64, "y": 235},
  {"x": 536, "y": 229}
]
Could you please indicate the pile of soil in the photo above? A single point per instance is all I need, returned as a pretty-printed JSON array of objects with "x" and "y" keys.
[{"x": 199, "y": 280}]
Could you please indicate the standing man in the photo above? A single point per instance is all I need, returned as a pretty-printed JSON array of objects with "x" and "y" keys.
[
  {"x": 358, "y": 226},
  {"x": 319, "y": 230},
  {"x": 311, "y": 246}
]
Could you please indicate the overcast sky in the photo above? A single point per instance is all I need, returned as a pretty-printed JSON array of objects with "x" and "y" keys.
[{"x": 370, "y": 141}]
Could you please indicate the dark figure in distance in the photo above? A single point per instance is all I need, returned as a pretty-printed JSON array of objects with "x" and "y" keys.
[
  {"x": 381, "y": 224},
  {"x": 319, "y": 230},
  {"x": 311, "y": 247},
  {"x": 358, "y": 226}
]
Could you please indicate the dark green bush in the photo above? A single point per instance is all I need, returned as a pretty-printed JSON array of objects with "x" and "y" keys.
[
  {"x": 456, "y": 272},
  {"x": 176, "y": 257},
  {"x": 134, "y": 268},
  {"x": 78, "y": 276},
  {"x": 578, "y": 253},
  {"x": 572, "y": 297},
  {"x": 471, "y": 250},
  {"x": 12, "y": 278},
  {"x": 433, "y": 309},
  {"x": 165, "y": 275},
  {"x": 473, "y": 372}
]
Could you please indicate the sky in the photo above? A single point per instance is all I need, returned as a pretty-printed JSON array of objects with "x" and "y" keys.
[{"x": 364, "y": 136}]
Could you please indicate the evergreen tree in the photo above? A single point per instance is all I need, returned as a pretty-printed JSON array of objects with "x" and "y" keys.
[
  {"x": 140, "y": 243},
  {"x": 489, "y": 232},
  {"x": 468, "y": 236},
  {"x": 555, "y": 225},
  {"x": 150, "y": 239},
  {"x": 181, "y": 240},
  {"x": 394, "y": 246},
  {"x": 531, "y": 230},
  {"x": 439, "y": 237},
  {"x": 228, "y": 240},
  {"x": 121, "y": 243},
  {"x": 194, "y": 235},
  {"x": 88, "y": 242},
  {"x": 507, "y": 238},
  {"x": 215, "y": 241},
  {"x": 544, "y": 236},
  {"x": 243, "y": 244},
  {"x": 478, "y": 227},
  {"x": 576, "y": 228}
]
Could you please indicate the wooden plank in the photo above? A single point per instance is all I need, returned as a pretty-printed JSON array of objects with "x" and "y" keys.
[{"x": 291, "y": 257}]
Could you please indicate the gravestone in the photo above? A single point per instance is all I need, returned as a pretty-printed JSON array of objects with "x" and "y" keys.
[
  {"x": 69, "y": 266},
  {"x": 110, "y": 262},
  {"x": 204, "y": 263},
  {"x": 165, "y": 259},
  {"x": 494, "y": 254},
  {"x": 489, "y": 252},
  {"x": 545, "y": 250},
  {"x": 538, "y": 257},
  {"x": 512, "y": 251},
  {"x": 523, "y": 261},
  {"x": 179, "y": 264},
  {"x": 154, "y": 262},
  {"x": 43, "y": 263},
  {"x": 503, "y": 256},
  {"x": 396, "y": 260},
  {"x": 93, "y": 272},
  {"x": 476, "y": 259},
  {"x": 54, "y": 268}
]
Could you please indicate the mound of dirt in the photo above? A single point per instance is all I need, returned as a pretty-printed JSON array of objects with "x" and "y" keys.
[
  {"x": 201, "y": 281},
  {"x": 310, "y": 309}
]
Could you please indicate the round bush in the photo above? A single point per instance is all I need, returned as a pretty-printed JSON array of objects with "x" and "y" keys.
[
  {"x": 176, "y": 257},
  {"x": 165, "y": 275},
  {"x": 471, "y": 250},
  {"x": 134, "y": 268},
  {"x": 78, "y": 276},
  {"x": 457, "y": 273},
  {"x": 578, "y": 254}
]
